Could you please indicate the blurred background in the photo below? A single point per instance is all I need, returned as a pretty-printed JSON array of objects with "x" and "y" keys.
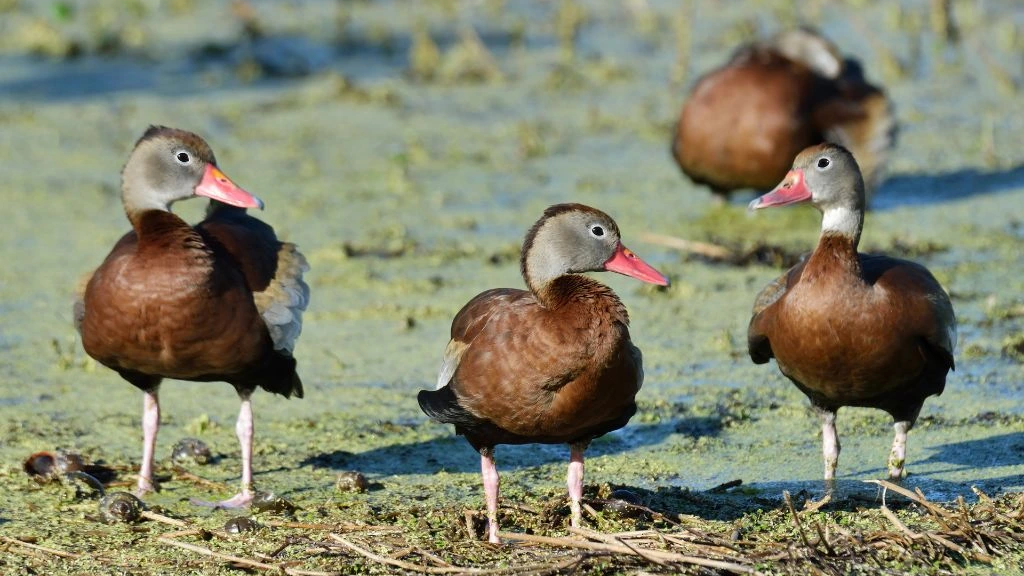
[{"x": 407, "y": 147}]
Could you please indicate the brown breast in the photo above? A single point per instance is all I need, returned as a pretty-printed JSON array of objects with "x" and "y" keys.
[
  {"x": 551, "y": 373},
  {"x": 169, "y": 305},
  {"x": 859, "y": 330}
]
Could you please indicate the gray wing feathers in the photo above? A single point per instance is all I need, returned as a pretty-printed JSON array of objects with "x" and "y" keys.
[{"x": 285, "y": 299}]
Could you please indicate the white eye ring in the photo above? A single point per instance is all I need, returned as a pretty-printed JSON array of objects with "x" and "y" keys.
[
  {"x": 597, "y": 231},
  {"x": 183, "y": 157},
  {"x": 823, "y": 163}
]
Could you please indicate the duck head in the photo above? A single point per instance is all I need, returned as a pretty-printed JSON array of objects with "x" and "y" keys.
[
  {"x": 574, "y": 238},
  {"x": 168, "y": 165},
  {"x": 826, "y": 176}
]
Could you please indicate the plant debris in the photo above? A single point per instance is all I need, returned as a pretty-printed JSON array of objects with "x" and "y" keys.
[
  {"x": 760, "y": 253},
  {"x": 935, "y": 538}
]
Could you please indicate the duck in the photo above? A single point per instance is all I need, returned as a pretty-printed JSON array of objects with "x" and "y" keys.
[
  {"x": 744, "y": 123},
  {"x": 851, "y": 329},
  {"x": 552, "y": 364},
  {"x": 218, "y": 301}
]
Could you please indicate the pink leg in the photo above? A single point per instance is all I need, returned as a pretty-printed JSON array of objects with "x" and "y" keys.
[
  {"x": 574, "y": 480},
  {"x": 244, "y": 430},
  {"x": 830, "y": 447},
  {"x": 150, "y": 426},
  {"x": 898, "y": 456},
  {"x": 491, "y": 483}
]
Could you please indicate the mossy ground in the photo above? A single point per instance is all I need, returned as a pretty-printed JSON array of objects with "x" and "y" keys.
[{"x": 409, "y": 191}]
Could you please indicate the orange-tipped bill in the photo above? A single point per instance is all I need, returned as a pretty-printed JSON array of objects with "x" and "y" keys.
[
  {"x": 791, "y": 190},
  {"x": 216, "y": 186},
  {"x": 625, "y": 262}
]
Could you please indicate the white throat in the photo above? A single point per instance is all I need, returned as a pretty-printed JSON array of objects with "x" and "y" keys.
[
  {"x": 842, "y": 220},
  {"x": 142, "y": 200}
]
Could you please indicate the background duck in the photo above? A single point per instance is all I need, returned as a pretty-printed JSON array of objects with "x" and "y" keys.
[{"x": 743, "y": 123}]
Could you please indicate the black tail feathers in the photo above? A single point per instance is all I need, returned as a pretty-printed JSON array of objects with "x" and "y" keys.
[{"x": 443, "y": 406}]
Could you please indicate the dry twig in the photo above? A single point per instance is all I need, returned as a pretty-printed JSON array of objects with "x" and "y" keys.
[
  {"x": 620, "y": 549},
  {"x": 705, "y": 249},
  {"x": 37, "y": 547},
  {"x": 243, "y": 561},
  {"x": 149, "y": 514},
  {"x": 443, "y": 569}
]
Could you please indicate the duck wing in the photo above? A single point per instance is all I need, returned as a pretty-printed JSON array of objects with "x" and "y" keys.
[
  {"x": 273, "y": 270},
  {"x": 758, "y": 345}
]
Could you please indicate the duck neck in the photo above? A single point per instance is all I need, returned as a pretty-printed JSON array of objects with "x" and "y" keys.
[
  {"x": 162, "y": 229},
  {"x": 137, "y": 195},
  {"x": 541, "y": 265},
  {"x": 149, "y": 214},
  {"x": 544, "y": 286},
  {"x": 136, "y": 206},
  {"x": 571, "y": 289},
  {"x": 845, "y": 221},
  {"x": 835, "y": 256}
]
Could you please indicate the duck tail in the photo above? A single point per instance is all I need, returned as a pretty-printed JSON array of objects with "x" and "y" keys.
[{"x": 443, "y": 406}]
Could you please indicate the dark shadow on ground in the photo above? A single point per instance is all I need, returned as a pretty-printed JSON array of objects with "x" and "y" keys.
[
  {"x": 919, "y": 189},
  {"x": 452, "y": 453},
  {"x": 993, "y": 451},
  {"x": 850, "y": 495}
]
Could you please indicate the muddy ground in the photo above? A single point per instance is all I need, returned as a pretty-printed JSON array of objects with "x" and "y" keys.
[{"x": 406, "y": 149}]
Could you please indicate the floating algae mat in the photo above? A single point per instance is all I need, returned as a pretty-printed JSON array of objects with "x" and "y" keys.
[{"x": 406, "y": 151}]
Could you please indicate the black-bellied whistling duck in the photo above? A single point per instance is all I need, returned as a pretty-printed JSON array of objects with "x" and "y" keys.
[
  {"x": 743, "y": 123},
  {"x": 219, "y": 301},
  {"x": 851, "y": 329},
  {"x": 553, "y": 364}
]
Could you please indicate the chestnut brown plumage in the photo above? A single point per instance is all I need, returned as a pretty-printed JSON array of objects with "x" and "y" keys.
[
  {"x": 552, "y": 364},
  {"x": 743, "y": 124},
  {"x": 851, "y": 329},
  {"x": 219, "y": 301}
]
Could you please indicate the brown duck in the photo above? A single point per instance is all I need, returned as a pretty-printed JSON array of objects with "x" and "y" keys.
[
  {"x": 553, "y": 364},
  {"x": 851, "y": 329},
  {"x": 219, "y": 301},
  {"x": 743, "y": 123}
]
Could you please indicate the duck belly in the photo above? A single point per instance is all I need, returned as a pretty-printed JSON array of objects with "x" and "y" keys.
[
  {"x": 175, "y": 331},
  {"x": 847, "y": 356}
]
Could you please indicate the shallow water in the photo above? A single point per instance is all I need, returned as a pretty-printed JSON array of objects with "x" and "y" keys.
[{"x": 440, "y": 180}]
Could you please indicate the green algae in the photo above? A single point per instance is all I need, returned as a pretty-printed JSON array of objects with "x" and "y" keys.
[{"x": 410, "y": 196}]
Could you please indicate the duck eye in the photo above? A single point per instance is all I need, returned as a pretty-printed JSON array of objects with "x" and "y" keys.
[
  {"x": 183, "y": 157},
  {"x": 823, "y": 163},
  {"x": 597, "y": 231}
]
